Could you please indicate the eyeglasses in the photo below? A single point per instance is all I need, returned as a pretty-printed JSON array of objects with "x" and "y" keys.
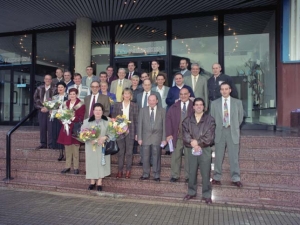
[{"x": 94, "y": 86}]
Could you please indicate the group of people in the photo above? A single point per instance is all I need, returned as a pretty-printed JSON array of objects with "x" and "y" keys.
[{"x": 199, "y": 110}]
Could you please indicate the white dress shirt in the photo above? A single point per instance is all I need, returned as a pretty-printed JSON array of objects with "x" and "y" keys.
[
  {"x": 91, "y": 102},
  {"x": 186, "y": 105},
  {"x": 228, "y": 106},
  {"x": 126, "y": 110},
  {"x": 160, "y": 91},
  {"x": 193, "y": 81}
]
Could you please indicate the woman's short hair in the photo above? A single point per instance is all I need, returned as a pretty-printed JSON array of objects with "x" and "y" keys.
[
  {"x": 73, "y": 90},
  {"x": 103, "y": 82},
  {"x": 135, "y": 77},
  {"x": 61, "y": 83},
  {"x": 127, "y": 90},
  {"x": 98, "y": 105}
]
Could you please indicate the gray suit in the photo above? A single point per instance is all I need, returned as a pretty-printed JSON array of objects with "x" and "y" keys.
[
  {"x": 227, "y": 137},
  {"x": 139, "y": 98},
  {"x": 151, "y": 139},
  {"x": 83, "y": 81},
  {"x": 200, "y": 87},
  {"x": 103, "y": 99},
  {"x": 163, "y": 96},
  {"x": 125, "y": 84}
]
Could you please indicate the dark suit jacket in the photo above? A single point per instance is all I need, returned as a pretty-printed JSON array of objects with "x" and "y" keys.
[
  {"x": 55, "y": 81},
  {"x": 103, "y": 99},
  {"x": 153, "y": 81},
  {"x": 139, "y": 98},
  {"x": 173, "y": 94},
  {"x": 133, "y": 116},
  {"x": 71, "y": 83},
  {"x": 173, "y": 119},
  {"x": 151, "y": 136},
  {"x": 134, "y": 73},
  {"x": 39, "y": 93},
  {"x": 111, "y": 79}
]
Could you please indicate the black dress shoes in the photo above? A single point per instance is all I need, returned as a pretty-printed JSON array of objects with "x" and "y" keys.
[
  {"x": 188, "y": 197},
  {"x": 167, "y": 153},
  {"x": 187, "y": 180},
  {"x": 99, "y": 188},
  {"x": 65, "y": 170},
  {"x": 238, "y": 184},
  {"x": 216, "y": 182},
  {"x": 76, "y": 171},
  {"x": 61, "y": 155},
  {"x": 140, "y": 163},
  {"x": 92, "y": 186},
  {"x": 40, "y": 147},
  {"x": 173, "y": 179},
  {"x": 144, "y": 178},
  {"x": 157, "y": 179},
  {"x": 207, "y": 200}
]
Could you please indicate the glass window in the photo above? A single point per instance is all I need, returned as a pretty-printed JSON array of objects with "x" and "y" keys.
[
  {"x": 291, "y": 31},
  {"x": 195, "y": 39},
  {"x": 250, "y": 60},
  {"x": 52, "y": 52},
  {"x": 100, "y": 49}
]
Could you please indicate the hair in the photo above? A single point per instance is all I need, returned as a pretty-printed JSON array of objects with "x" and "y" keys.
[
  {"x": 129, "y": 91},
  {"x": 145, "y": 73},
  {"x": 160, "y": 75},
  {"x": 131, "y": 62},
  {"x": 61, "y": 83},
  {"x": 184, "y": 88},
  {"x": 199, "y": 100},
  {"x": 153, "y": 95},
  {"x": 103, "y": 82},
  {"x": 178, "y": 73},
  {"x": 122, "y": 69},
  {"x": 48, "y": 75},
  {"x": 135, "y": 77},
  {"x": 146, "y": 80},
  {"x": 195, "y": 64},
  {"x": 102, "y": 72},
  {"x": 60, "y": 70},
  {"x": 73, "y": 90},
  {"x": 185, "y": 60},
  {"x": 98, "y": 105},
  {"x": 95, "y": 82},
  {"x": 225, "y": 83},
  {"x": 217, "y": 64},
  {"x": 89, "y": 67},
  {"x": 155, "y": 61},
  {"x": 77, "y": 75},
  {"x": 109, "y": 67}
]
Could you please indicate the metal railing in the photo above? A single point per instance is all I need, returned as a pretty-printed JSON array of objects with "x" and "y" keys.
[{"x": 8, "y": 143}]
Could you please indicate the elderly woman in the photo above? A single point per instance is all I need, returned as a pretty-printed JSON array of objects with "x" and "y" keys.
[
  {"x": 135, "y": 88},
  {"x": 104, "y": 91},
  {"x": 56, "y": 124},
  {"x": 71, "y": 144},
  {"x": 130, "y": 110},
  {"x": 95, "y": 171}
]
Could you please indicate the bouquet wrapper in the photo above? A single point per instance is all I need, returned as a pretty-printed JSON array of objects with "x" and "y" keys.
[
  {"x": 66, "y": 126},
  {"x": 171, "y": 147}
]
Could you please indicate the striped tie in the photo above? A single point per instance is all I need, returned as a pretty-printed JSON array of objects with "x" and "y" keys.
[{"x": 226, "y": 115}]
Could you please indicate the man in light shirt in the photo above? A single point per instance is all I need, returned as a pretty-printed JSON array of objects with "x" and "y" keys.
[
  {"x": 83, "y": 91},
  {"x": 161, "y": 89},
  {"x": 87, "y": 80}
]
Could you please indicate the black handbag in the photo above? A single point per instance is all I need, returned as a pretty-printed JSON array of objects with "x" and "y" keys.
[
  {"x": 76, "y": 129},
  {"x": 111, "y": 148}
]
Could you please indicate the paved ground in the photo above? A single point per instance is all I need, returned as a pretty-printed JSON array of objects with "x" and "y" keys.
[{"x": 33, "y": 207}]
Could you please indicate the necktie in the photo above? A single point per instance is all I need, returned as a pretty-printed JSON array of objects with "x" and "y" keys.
[
  {"x": 184, "y": 108},
  {"x": 152, "y": 118},
  {"x": 92, "y": 106},
  {"x": 226, "y": 115},
  {"x": 194, "y": 85},
  {"x": 145, "y": 100},
  {"x": 120, "y": 84},
  {"x": 130, "y": 75},
  {"x": 154, "y": 76},
  {"x": 47, "y": 94}
]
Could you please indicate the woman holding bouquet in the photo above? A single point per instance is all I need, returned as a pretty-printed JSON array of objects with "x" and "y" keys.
[
  {"x": 130, "y": 110},
  {"x": 56, "y": 125},
  {"x": 65, "y": 138},
  {"x": 95, "y": 170}
]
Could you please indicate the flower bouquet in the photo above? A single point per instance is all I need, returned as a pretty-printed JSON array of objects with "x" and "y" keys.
[
  {"x": 52, "y": 105},
  {"x": 118, "y": 127},
  {"x": 89, "y": 134},
  {"x": 66, "y": 116},
  {"x": 111, "y": 101}
]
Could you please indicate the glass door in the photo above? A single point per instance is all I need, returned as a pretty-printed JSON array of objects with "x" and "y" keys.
[{"x": 5, "y": 95}]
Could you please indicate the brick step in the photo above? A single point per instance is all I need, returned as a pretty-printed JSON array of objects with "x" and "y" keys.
[{"x": 260, "y": 196}]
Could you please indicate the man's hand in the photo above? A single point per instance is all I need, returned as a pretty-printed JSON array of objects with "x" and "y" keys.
[
  {"x": 140, "y": 142},
  {"x": 163, "y": 143},
  {"x": 44, "y": 110},
  {"x": 194, "y": 143},
  {"x": 169, "y": 138}
]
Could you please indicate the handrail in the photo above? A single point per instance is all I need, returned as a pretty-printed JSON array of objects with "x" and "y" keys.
[{"x": 8, "y": 144}]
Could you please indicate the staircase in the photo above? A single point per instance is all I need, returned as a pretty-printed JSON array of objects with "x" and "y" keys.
[{"x": 270, "y": 166}]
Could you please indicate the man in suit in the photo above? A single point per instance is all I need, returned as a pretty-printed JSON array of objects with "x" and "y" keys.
[
  {"x": 110, "y": 75},
  {"x": 142, "y": 97},
  {"x": 42, "y": 94},
  {"x": 228, "y": 114},
  {"x": 161, "y": 89},
  {"x": 151, "y": 136},
  {"x": 83, "y": 91},
  {"x": 59, "y": 76},
  {"x": 68, "y": 79},
  {"x": 173, "y": 94},
  {"x": 87, "y": 80},
  {"x": 103, "y": 76},
  {"x": 197, "y": 82},
  {"x": 131, "y": 71},
  {"x": 216, "y": 80},
  {"x": 95, "y": 97},
  {"x": 155, "y": 71},
  {"x": 117, "y": 86},
  {"x": 175, "y": 115},
  {"x": 183, "y": 65}
]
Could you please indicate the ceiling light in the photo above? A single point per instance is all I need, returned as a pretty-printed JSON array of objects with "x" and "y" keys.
[
  {"x": 138, "y": 27},
  {"x": 215, "y": 18},
  {"x": 121, "y": 25},
  {"x": 229, "y": 28}
]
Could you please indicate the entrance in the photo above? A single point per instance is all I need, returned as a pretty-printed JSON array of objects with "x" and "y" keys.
[{"x": 14, "y": 93}]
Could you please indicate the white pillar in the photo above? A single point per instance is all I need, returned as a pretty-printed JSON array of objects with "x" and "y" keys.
[{"x": 83, "y": 49}]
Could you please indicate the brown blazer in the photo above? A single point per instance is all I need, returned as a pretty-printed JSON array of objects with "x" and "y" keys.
[
  {"x": 103, "y": 99},
  {"x": 39, "y": 93},
  {"x": 133, "y": 116}
]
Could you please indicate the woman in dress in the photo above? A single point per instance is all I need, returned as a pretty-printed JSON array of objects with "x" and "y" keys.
[
  {"x": 95, "y": 171},
  {"x": 130, "y": 110},
  {"x": 70, "y": 143},
  {"x": 112, "y": 96},
  {"x": 56, "y": 124}
]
